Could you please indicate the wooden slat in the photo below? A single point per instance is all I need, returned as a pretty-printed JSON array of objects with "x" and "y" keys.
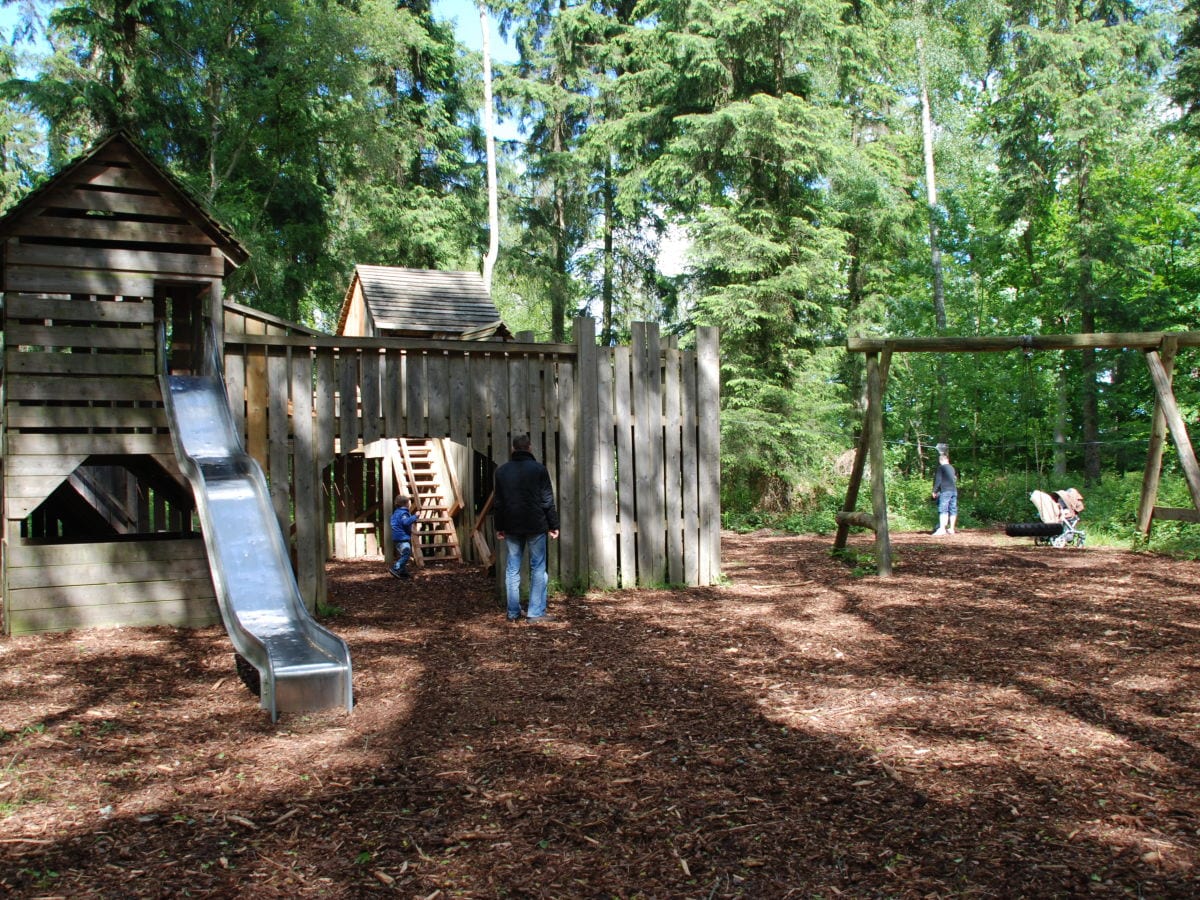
[
  {"x": 278, "y": 476},
  {"x": 550, "y": 387},
  {"x": 88, "y": 444},
  {"x": 51, "y": 579},
  {"x": 257, "y": 393},
  {"x": 56, "y": 388},
  {"x": 188, "y": 611},
  {"x": 97, "y": 174},
  {"x": 437, "y": 393},
  {"x": 481, "y": 405},
  {"x": 518, "y": 394},
  {"x": 708, "y": 452},
  {"x": 111, "y": 230},
  {"x": 590, "y": 527},
  {"x": 689, "y": 434},
  {"x": 235, "y": 392},
  {"x": 460, "y": 399},
  {"x": 68, "y": 336},
  {"x": 116, "y": 260},
  {"x": 348, "y": 424},
  {"x": 498, "y": 393},
  {"x": 24, "y": 306},
  {"x": 672, "y": 467},
  {"x": 623, "y": 451},
  {"x": 370, "y": 406},
  {"x": 568, "y": 461},
  {"x": 86, "y": 417},
  {"x": 35, "y": 279},
  {"x": 325, "y": 412},
  {"x": 604, "y": 555},
  {"x": 17, "y": 465},
  {"x": 115, "y": 552},
  {"x": 647, "y": 401},
  {"x": 414, "y": 394},
  {"x": 107, "y": 201},
  {"x": 78, "y": 364},
  {"x": 308, "y": 557}
]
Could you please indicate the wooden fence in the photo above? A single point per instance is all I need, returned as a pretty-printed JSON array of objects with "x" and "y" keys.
[{"x": 630, "y": 434}]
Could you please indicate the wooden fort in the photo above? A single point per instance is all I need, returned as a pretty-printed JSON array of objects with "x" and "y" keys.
[{"x": 99, "y": 526}]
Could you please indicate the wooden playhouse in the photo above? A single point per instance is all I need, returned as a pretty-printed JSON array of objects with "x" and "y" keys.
[
  {"x": 98, "y": 523},
  {"x": 98, "y": 526}
]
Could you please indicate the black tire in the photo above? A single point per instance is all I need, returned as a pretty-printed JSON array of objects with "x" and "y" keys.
[
  {"x": 1033, "y": 529},
  {"x": 248, "y": 674}
]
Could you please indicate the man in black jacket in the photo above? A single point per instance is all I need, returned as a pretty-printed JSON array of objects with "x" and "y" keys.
[{"x": 524, "y": 514}]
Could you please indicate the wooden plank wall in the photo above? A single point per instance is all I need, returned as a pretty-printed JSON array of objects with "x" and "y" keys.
[
  {"x": 630, "y": 435},
  {"x": 84, "y": 261},
  {"x": 58, "y": 587}
]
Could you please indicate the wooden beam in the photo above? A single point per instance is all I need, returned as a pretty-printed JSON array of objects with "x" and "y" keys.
[
  {"x": 1175, "y": 425},
  {"x": 856, "y": 519},
  {"x": 883, "y": 544},
  {"x": 1000, "y": 343},
  {"x": 25, "y": 306},
  {"x": 1167, "y": 514},
  {"x": 471, "y": 348},
  {"x": 1154, "y": 453},
  {"x": 860, "y": 458}
]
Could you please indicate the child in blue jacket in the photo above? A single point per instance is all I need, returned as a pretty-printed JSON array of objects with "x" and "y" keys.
[{"x": 402, "y": 525}]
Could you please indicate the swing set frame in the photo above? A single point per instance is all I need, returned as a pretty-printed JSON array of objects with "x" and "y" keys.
[{"x": 1159, "y": 348}]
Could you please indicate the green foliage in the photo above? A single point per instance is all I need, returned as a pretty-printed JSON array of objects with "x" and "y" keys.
[{"x": 780, "y": 138}]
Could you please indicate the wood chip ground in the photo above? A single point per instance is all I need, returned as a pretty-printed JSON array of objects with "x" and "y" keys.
[{"x": 997, "y": 720}]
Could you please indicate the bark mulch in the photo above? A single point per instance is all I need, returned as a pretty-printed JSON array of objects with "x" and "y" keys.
[{"x": 997, "y": 720}]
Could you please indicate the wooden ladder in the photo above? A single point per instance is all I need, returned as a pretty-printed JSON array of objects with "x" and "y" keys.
[{"x": 421, "y": 463}]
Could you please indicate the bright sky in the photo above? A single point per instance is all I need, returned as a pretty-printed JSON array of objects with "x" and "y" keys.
[{"x": 465, "y": 15}]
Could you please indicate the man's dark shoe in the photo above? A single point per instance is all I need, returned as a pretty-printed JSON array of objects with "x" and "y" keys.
[
  {"x": 394, "y": 573},
  {"x": 540, "y": 619},
  {"x": 516, "y": 618}
]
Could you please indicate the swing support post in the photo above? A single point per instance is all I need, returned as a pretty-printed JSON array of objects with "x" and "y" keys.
[
  {"x": 1154, "y": 452},
  {"x": 870, "y": 443}
]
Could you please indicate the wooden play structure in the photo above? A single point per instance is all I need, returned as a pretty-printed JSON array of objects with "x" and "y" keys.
[
  {"x": 439, "y": 473},
  {"x": 1159, "y": 348},
  {"x": 99, "y": 526}
]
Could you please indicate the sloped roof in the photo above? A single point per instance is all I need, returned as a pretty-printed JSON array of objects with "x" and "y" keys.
[
  {"x": 425, "y": 301},
  {"x": 170, "y": 186}
]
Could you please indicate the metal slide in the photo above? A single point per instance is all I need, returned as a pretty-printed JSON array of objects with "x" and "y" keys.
[{"x": 301, "y": 665}]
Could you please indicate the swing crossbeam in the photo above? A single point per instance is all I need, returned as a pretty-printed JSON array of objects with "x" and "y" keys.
[{"x": 1159, "y": 348}]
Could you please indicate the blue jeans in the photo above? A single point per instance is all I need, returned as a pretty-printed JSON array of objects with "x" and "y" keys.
[
  {"x": 516, "y": 544},
  {"x": 403, "y": 555}
]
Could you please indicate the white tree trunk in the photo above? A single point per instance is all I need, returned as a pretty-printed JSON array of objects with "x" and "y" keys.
[{"x": 489, "y": 133}]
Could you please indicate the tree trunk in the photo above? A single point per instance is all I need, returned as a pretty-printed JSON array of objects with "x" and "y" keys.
[
  {"x": 489, "y": 133},
  {"x": 1090, "y": 414},
  {"x": 1061, "y": 407},
  {"x": 606, "y": 289},
  {"x": 935, "y": 252}
]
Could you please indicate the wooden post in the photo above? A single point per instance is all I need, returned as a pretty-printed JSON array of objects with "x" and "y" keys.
[
  {"x": 1175, "y": 424},
  {"x": 860, "y": 459},
  {"x": 883, "y": 545},
  {"x": 1158, "y": 433}
]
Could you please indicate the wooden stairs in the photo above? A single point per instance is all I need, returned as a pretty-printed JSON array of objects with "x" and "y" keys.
[{"x": 423, "y": 473}]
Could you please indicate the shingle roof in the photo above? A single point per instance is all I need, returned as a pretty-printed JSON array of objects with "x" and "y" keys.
[{"x": 425, "y": 301}]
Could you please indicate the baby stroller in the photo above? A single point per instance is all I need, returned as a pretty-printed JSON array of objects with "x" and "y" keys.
[{"x": 1059, "y": 512}]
